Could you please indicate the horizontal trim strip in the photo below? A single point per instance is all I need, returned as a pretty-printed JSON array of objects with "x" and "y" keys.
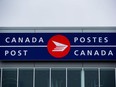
[{"x": 71, "y": 46}]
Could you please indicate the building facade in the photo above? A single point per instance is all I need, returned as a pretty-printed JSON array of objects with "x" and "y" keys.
[{"x": 57, "y": 73}]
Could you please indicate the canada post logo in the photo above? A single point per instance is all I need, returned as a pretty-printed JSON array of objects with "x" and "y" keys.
[{"x": 58, "y": 46}]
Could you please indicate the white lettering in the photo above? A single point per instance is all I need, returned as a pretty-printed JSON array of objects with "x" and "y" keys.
[
  {"x": 110, "y": 53},
  {"x": 41, "y": 40},
  {"x": 76, "y": 52},
  {"x": 93, "y": 53},
  {"x": 20, "y": 40},
  {"x": 7, "y": 40},
  {"x": 89, "y": 52},
  {"x": 82, "y": 39},
  {"x": 82, "y": 53},
  {"x": 75, "y": 39},
  {"x": 16, "y": 53},
  {"x": 6, "y": 52},
  {"x": 96, "y": 53},
  {"x": 103, "y": 52},
  {"x": 106, "y": 39},
  {"x": 13, "y": 40},
  {"x": 91, "y": 39},
  {"x": 34, "y": 39},
  {"x": 24, "y": 40},
  {"x": 27, "y": 40}
]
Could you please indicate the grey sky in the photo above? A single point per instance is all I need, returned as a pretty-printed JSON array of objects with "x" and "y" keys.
[{"x": 57, "y": 13}]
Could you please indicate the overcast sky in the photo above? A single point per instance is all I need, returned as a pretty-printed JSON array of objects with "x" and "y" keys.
[{"x": 57, "y": 13}]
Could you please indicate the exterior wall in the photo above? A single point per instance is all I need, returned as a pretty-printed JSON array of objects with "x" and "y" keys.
[{"x": 56, "y": 64}]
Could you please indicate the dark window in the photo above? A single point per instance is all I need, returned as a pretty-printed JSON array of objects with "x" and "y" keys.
[
  {"x": 58, "y": 78},
  {"x": 42, "y": 78},
  {"x": 26, "y": 78},
  {"x": 9, "y": 78},
  {"x": 91, "y": 78},
  {"x": 107, "y": 78},
  {"x": 74, "y": 78}
]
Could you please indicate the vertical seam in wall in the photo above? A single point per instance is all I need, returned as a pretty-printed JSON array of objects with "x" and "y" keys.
[
  {"x": 82, "y": 30},
  {"x": 17, "y": 77},
  {"x": 1, "y": 76},
  {"x": 50, "y": 77},
  {"x": 34, "y": 30},
  {"x": 34, "y": 77},
  {"x": 99, "y": 77},
  {"x": 66, "y": 77}
]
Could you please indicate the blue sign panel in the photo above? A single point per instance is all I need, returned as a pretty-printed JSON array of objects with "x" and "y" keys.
[{"x": 58, "y": 46}]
